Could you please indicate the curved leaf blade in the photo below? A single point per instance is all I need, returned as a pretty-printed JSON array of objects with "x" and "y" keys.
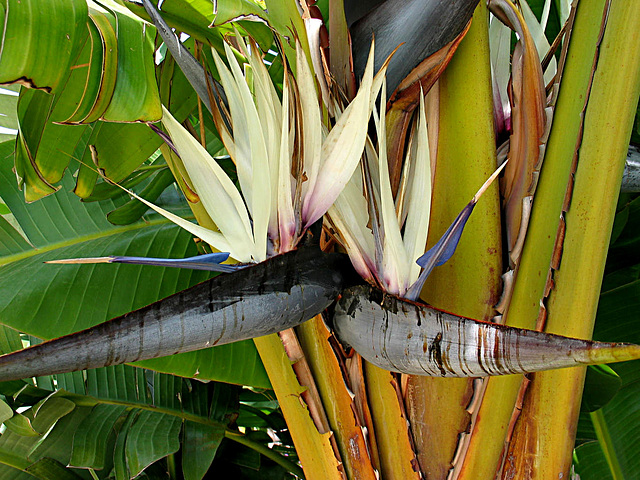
[{"x": 34, "y": 32}]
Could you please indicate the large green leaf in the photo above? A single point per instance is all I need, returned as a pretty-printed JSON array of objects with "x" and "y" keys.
[
  {"x": 110, "y": 76},
  {"x": 135, "y": 97},
  {"x": 46, "y": 454},
  {"x": 151, "y": 437},
  {"x": 194, "y": 17},
  {"x": 49, "y": 301},
  {"x": 200, "y": 445},
  {"x": 591, "y": 463},
  {"x": 44, "y": 148},
  {"x": 125, "y": 411},
  {"x": 103, "y": 62},
  {"x": 36, "y": 32},
  {"x": 614, "y": 453},
  {"x": 94, "y": 433}
]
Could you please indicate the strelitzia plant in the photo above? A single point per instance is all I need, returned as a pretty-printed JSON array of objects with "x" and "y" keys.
[
  {"x": 286, "y": 190},
  {"x": 383, "y": 242}
]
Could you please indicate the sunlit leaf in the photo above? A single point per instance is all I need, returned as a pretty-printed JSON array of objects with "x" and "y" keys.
[
  {"x": 54, "y": 29},
  {"x": 31, "y": 293}
]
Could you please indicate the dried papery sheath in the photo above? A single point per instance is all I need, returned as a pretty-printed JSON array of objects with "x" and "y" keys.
[
  {"x": 414, "y": 339},
  {"x": 274, "y": 295}
]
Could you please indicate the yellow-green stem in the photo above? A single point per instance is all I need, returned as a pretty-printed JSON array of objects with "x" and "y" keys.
[
  {"x": 469, "y": 283},
  {"x": 492, "y": 421},
  {"x": 552, "y": 398},
  {"x": 314, "y": 448},
  {"x": 397, "y": 459},
  {"x": 336, "y": 398}
]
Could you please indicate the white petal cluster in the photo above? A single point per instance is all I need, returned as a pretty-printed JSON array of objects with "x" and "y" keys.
[
  {"x": 291, "y": 167},
  {"x": 384, "y": 236}
]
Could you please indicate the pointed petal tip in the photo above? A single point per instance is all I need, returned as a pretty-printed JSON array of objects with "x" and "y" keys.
[
  {"x": 489, "y": 181},
  {"x": 78, "y": 261}
]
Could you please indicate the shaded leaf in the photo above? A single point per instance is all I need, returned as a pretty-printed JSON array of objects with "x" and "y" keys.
[
  {"x": 600, "y": 386},
  {"x": 94, "y": 433},
  {"x": 21, "y": 425},
  {"x": 151, "y": 437},
  {"x": 199, "y": 448}
]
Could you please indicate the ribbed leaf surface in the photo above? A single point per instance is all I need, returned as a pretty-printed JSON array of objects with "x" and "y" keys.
[{"x": 151, "y": 437}]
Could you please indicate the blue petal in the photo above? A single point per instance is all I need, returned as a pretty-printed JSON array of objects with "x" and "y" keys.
[
  {"x": 211, "y": 262},
  {"x": 441, "y": 251}
]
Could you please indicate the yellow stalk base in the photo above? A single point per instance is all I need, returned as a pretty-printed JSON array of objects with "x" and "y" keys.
[
  {"x": 491, "y": 424},
  {"x": 336, "y": 398},
  {"x": 469, "y": 284},
  {"x": 397, "y": 460},
  {"x": 314, "y": 448}
]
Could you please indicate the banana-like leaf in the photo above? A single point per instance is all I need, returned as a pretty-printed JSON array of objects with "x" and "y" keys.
[
  {"x": 612, "y": 428},
  {"x": 266, "y": 298},
  {"x": 44, "y": 455},
  {"x": 33, "y": 33},
  {"x": 85, "y": 418},
  {"x": 8, "y": 118},
  {"x": 195, "y": 18},
  {"x": 409, "y": 338},
  {"x": 105, "y": 63},
  {"x": 43, "y": 148},
  {"x": 111, "y": 76}
]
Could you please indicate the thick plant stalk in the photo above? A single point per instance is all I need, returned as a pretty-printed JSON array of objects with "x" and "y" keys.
[
  {"x": 469, "y": 284},
  {"x": 551, "y": 400},
  {"x": 492, "y": 426},
  {"x": 314, "y": 446},
  {"x": 336, "y": 398},
  {"x": 405, "y": 337},
  {"x": 397, "y": 458},
  {"x": 272, "y": 296}
]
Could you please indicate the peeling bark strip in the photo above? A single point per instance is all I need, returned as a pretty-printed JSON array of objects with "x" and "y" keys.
[
  {"x": 274, "y": 295},
  {"x": 410, "y": 338}
]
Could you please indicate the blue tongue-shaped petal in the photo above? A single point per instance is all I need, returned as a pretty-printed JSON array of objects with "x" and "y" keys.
[
  {"x": 443, "y": 250},
  {"x": 211, "y": 262}
]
